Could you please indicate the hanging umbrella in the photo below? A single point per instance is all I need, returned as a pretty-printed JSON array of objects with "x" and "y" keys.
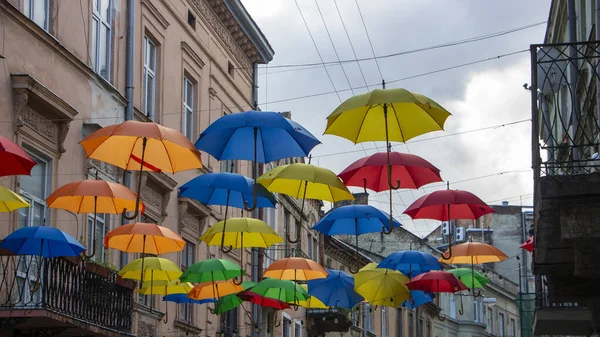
[
  {"x": 417, "y": 299},
  {"x": 312, "y": 302},
  {"x": 354, "y": 220},
  {"x": 183, "y": 298},
  {"x": 448, "y": 205},
  {"x": 241, "y": 232},
  {"x": 528, "y": 245},
  {"x": 282, "y": 290},
  {"x": 211, "y": 270},
  {"x": 471, "y": 278},
  {"x": 232, "y": 301},
  {"x": 43, "y": 241},
  {"x": 216, "y": 290},
  {"x": 410, "y": 262},
  {"x": 305, "y": 181},
  {"x": 436, "y": 282},
  {"x": 142, "y": 146},
  {"x": 263, "y": 301},
  {"x": 152, "y": 269},
  {"x": 165, "y": 287},
  {"x": 475, "y": 253},
  {"x": 381, "y": 286},
  {"x": 260, "y": 136},
  {"x": 145, "y": 238},
  {"x": 336, "y": 290},
  {"x": 295, "y": 269},
  {"x": 15, "y": 161},
  {"x": 10, "y": 201}
]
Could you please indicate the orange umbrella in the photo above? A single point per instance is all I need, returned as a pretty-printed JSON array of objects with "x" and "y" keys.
[
  {"x": 474, "y": 253},
  {"x": 144, "y": 238},
  {"x": 215, "y": 289},
  {"x": 92, "y": 196},
  {"x": 295, "y": 269}
]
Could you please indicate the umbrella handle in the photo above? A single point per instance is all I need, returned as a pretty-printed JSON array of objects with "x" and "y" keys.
[
  {"x": 89, "y": 257},
  {"x": 241, "y": 264},
  {"x": 289, "y": 238},
  {"x": 276, "y": 324},
  {"x": 166, "y": 320},
  {"x": 257, "y": 329},
  {"x": 383, "y": 229},
  {"x": 223, "y": 249},
  {"x": 139, "y": 186},
  {"x": 450, "y": 236},
  {"x": 246, "y": 207},
  {"x": 301, "y": 218},
  {"x": 254, "y": 173},
  {"x": 295, "y": 307},
  {"x": 389, "y": 149},
  {"x": 212, "y": 311}
]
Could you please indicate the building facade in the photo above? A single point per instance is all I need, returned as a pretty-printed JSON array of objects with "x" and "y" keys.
[{"x": 72, "y": 67}]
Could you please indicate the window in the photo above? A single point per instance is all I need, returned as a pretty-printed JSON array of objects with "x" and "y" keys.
[
  {"x": 476, "y": 309},
  {"x": 34, "y": 189},
  {"x": 368, "y": 324},
  {"x": 315, "y": 249},
  {"x": 101, "y": 37},
  {"x": 38, "y": 11},
  {"x": 191, "y": 19},
  {"x": 501, "y": 324},
  {"x": 96, "y": 235},
  {"x": 188, "y": 108},
  {"x": 297, "y": 329},
  {"x": 356, "y": 316},
  {"x": 149, "y": 85},
  {"x": 513, "y": 328},
  {"x": 411, "y": 318},
  {"x": 452, "y": 305},
  {"x": 383, "y": 322},
  {"x": 229, "y": 166},
  {"x": 309, "y": 243},
  {"x": 230, "y": 69},
  {"x": 428, "y": 332},
  {"x": 399, "y": 317},
  {"x": 421, "y": 328},
  {"x": 229, "y": 324},
  {"x": 286, "y": 327},
  {"x": 490, "y": 321},
  {"x": 186, "y": 310}
]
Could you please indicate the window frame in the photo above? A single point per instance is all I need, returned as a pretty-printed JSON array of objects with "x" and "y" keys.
[
  {"x": 188, "y": 128},
  {"x": 186, "y": 310},
  {"x": 297, "y": 328},
  {"x": 490, "y": 320},
  {"x": 29, "y": 10},
  {"x": 501, "y": 322},
  {"x": 99, "y": 22},
  {"x": 149, "y": 71},
  {"x": 286, "y": 320},
  {"x": 513, "y": 327},
  {"x": 105, "y": 221},
  {"x": 46, "y": 187}
]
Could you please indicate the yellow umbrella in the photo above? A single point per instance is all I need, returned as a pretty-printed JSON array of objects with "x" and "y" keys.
[
  {"x": 305, "y": 181},
  {"x": 155, "y": 269},
  {"x": 380, "y": 286},
  {"x": 310, "y": 303},
  {"x": 216, "y": 290},
  {"x": 165, "y": 287},
  {"x": 10, "y": 201}
]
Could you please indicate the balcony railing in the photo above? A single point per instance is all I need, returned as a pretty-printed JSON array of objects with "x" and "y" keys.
[
  {"x": 565, "y": 113},
  {"x": 71, "y": 287},
  {"x": 544, "y": 298}
]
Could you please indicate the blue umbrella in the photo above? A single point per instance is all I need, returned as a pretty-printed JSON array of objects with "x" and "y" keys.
[
  {"x": 183, "y": 298},
  {"x": 418, "y": 298},
  {"x": 226, "y": 189},
  {"x": 355, "y": 220},
  {"x": 260, "y": 136},
  {"x": 43, "y": 241},
  {"x": 411, "y": 262},
  {"x": 336, "y": 290}
]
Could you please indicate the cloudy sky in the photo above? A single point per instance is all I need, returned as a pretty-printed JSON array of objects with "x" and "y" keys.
[{"x": 488, "y": 96}]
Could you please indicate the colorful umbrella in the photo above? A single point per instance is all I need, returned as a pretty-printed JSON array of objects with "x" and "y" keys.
[
  {"x": 165, "y": 287},
  {"x": 336, "y": 290},
  {"x": 226, "y": 303},
  {"x": 10, "y": 201},
  {"x": 305, "y": 181},
  {"x": 417, "y": 298},
  {"x": 282, "y": 290},
  {"x": 436, "y": 282},
  {"x": 256, "y": 135},
  {"x": 381, "y": 286},
  {"x": 263, "y": 301},
  {"x": 211, "y": 270},
  {"x": 312, "y": 302},
  {"x": 295, "y": 269},
  {"x": 475, "y": 253},
  {"x": 355, "y": 220},
  {"x": 145, "y": 238},
  {"x": 528, "y": 245},
  {"x": 152, "y": 269},
  {"x": 410, "y": 262},
  {"x": 216, "y": 289},
  {"x": 183, "y": 298},
  {"x": 470, "y": 277},
  {"x": 15, "y": 161},
  {"x": 43, "y": 241}
]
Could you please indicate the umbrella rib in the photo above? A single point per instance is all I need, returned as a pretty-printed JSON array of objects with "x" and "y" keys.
[
  {"x": 130, "y": 151},
  {"x": 361, "y": 124},
  {"x": 168, "y": 155},
  {"x": 399, "y": 125}
]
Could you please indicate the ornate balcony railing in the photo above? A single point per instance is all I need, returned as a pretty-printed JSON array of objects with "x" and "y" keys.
[
  {"x": 565, "y": 112},
  {"x": 68, "y": 286},
  {"x": 544, "y": 299}
]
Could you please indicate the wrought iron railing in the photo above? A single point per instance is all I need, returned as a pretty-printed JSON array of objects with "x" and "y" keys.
[
  {"x": 565, "y": 113},
  {"x": 544, "y": 299},
  {"x": 81, "y": 290}
]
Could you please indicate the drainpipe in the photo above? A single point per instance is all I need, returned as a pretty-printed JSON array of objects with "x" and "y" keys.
[
  {"x": 598, "y": 66},
  {"x": 255, "y": 308},
  {"x": 573, "y": 75},
  {"x": 365, "y": 313}
]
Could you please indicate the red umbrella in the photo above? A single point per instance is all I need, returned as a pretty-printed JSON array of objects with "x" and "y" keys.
[
  {"x": 448, "y": 205},
  {"x": 408, "y": 171},
  {"x": 14, "y": 159},
  {"x": 436, "y": 282},
  {"x": 263, "y": 301},
  {"x": 528, "y": 245}
]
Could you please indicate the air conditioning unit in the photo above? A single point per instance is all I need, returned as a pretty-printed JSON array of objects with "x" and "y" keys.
[
  {"x": 445, "y": 228},
  {"x": 459, "y": 235}
]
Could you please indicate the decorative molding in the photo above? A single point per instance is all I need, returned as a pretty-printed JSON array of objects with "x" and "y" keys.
[
  {"x": 155, "y": 191},
  {"x": 193, "y": 217},
  {"x": 212, "y": 93},
  {"x": 156, "y": 13},
  {"x": 192, "y": 54}
]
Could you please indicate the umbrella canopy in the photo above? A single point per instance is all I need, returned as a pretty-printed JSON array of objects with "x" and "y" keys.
[
  {"x": 312, "y": 302},
  {"x": 354, "y": 220},
  {"x": 448, "y": 205},
  {"x": 241, "y": 232},
  {"x": 165, "y": 287},
  {"x": 226, "y": 189},
  {"x": 381, "y": 286},
  {"x": 237, "y": 135},
  {"x": 43, "y": 241},
  {"x": 10, "y": 201},
  {"x": 474, "y": 253},
  {"x": 155, "y": 269},
  {"x": 305, "y": 181},
  {"x": 410, "y": 262},
  {"x": 122, "y": 145},
  {"x": 528, "y": 245},
  {"x": 226, "y": 303},
  {"x": 372, "y": 172},
  {"x": 417, "y": 298},
  {"x": 282, "y": 290},
  {"x": 15, "y": 161},
  {"x": 144, "y": 238},
  {"x": 436, "y": 282},
  {"x": 361, "y": 118},
  {"x": 211, "y": 270},
  {"x": 471, "y": 278},
  {"x": 216, "y": 289},
  {"x": 295, "y": 269},
  {"x": 92, "y": 196},
  {"x": 336, "y": 290},
  {"x": 183, "y": 298},
  {"x": 263, "y": 301}
]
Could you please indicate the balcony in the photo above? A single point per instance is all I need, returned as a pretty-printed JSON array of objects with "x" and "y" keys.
[
  {"x": 321, "y": 321},
  {"x": 62, "y": 297}
]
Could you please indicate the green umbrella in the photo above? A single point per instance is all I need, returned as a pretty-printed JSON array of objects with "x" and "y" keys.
[
  {"x": 282, "y": 290},
  {"x": 471, "y": 278},
  {"x": 211, "y": 270},
  {"x": 232, "y": 301}
]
